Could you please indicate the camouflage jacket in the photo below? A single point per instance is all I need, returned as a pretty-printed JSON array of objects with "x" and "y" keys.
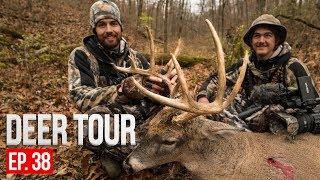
[
  {"x": 277, "y": 69},
  {"x": 94, "y": 83}
]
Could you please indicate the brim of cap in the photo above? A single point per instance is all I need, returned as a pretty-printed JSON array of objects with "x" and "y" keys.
[
  {"x": 106, "y": 16},
  {"x": 280, "y": 28}
]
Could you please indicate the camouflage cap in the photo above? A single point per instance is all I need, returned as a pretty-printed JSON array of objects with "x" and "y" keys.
[
  {"x": 266, "y": 20},
  {"x": 103, "y": 9}
]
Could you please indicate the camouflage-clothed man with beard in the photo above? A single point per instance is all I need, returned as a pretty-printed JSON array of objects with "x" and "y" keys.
[
  {"x": 97, "y": 88},
  {"x": 271, "y": 73}
]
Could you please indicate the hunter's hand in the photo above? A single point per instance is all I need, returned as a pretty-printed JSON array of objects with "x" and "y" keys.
[
  {"x": 128, "y": 88},
  {"x": 152, "y": 83},
  {"x": 172, "y": 76},
  {"x": 170, "y": 71},
  {"x": 203, "y": 100},
  {"x": 269, "y": 93},
  {"x": 158, "y": 86}
]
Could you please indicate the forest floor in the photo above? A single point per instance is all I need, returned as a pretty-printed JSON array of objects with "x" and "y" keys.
[{"x": 33, "y": 75}]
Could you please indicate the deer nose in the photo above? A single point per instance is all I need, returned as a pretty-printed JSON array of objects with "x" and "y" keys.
[{"x": 127, "y": 167}]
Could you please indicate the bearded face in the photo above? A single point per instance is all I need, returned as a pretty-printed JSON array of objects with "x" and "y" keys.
[{"x": 109, "y": 33}]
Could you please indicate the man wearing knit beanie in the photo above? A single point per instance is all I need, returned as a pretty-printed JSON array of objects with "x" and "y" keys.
[
  {"x": 96, "y": 87},
  {"x": 106, "y": 23}
]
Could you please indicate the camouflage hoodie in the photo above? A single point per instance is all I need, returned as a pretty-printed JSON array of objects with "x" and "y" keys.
[
  {"x": 277, "y": 69},
  {"x": 93, "y": 82}
]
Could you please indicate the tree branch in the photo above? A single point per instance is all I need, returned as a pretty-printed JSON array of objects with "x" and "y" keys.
[{"x": 299, "y": 20}]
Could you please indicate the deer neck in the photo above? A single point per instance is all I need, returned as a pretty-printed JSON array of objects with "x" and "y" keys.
[{"x": 219, "y": 157}]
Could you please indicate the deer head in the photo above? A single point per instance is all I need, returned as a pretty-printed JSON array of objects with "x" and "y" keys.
[
  {"x": 176, "y": 136},
  {"x": 188, "y": 142}
]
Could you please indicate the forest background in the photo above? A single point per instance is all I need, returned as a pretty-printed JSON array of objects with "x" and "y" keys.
[{"x": 37, "y": 36}]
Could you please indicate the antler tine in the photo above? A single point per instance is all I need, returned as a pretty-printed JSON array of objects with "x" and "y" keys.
[
  {"x": 176, "y": 103},
  {"x": 238, "y": 83},
  {"x": 175, "y": 90},
  {"x": 187, "y": 115},
  {"x": 184, "y": 117},
  {"x": 132, "y": 70},
  {"x": 177, "y": 50},
  {"x": 221, "y": 65},
  {"x": 183, "y": 82},
  {"x": 169, "y": 66},
  {"x": 188, "y": 103},
  {"x": 132, "y": 59},
  {"x": 161, "y": 116},
  {"x": 152, "y": 50}
]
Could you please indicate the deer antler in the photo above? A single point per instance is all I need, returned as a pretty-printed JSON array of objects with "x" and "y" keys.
[
  {"x": 187, "y": 103},
  {"x": 133, "y": 69}
]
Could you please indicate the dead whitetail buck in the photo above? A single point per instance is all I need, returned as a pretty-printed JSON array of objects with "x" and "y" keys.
[{"x": 215, "y": 150}]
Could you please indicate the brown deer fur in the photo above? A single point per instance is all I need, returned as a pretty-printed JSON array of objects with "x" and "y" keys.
[{"x": 211, "y": 149}]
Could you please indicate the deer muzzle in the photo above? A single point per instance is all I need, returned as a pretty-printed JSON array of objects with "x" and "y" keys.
[{"x": 132, "y": 165}]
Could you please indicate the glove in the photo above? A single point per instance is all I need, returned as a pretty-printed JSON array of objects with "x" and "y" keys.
[
  {"x": 129, "y": 89},
  {"x": 270, "y": 93}
]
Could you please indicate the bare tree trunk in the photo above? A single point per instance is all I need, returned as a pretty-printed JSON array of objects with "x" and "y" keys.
[
  {"x": 213, "y": 9},
  {"x": 243, "y": 12},
  {"x": 300, "y": 3},
  {"x": 265, "y": 9},
  {"x": 133, "y": 15},
  {"x": 292, "y": 7},
  {"x": 261, "y": 6},
  {"x": 172, "y": 19},
  {"x": 150, "y": 15},
  {"x": 222, "y": 4},
  {"x": 140, "y": 11},
  {"x": 202, "y": 6},
  {"x": 181, "y": 18},
  {"x": 166, "y": 26},
  {"x": 247, "y": 13},
  {"x": 158, "y": 16},
  {"x": 228, "y": 13},
  {"x": 130, "y": 7}
]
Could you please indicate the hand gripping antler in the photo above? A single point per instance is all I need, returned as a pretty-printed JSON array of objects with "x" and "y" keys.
[
  {"x": 133, "y": 69},
  {"x": 187, "y": 103}
]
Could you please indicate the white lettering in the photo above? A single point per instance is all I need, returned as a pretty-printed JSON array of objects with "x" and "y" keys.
[
  {"x": 129, "y": 129},
  {"x": 80, "y": 118},
  {"x": 92, "y": 128},
  {"x": 28, "y": 129},
  {"x": 43, "y": 129},
  {"x": 56, "y": 129},
  {"x": 10, "y": 140}
]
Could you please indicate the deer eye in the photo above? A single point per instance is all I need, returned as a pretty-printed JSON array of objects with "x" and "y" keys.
[{"x": 170, "y": 141}]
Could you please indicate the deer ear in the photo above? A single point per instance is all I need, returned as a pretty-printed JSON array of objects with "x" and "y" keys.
[{"x": 226, "y": 132}]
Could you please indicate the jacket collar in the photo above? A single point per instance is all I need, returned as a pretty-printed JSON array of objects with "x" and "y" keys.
[{"x": 279, "y": 57}]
